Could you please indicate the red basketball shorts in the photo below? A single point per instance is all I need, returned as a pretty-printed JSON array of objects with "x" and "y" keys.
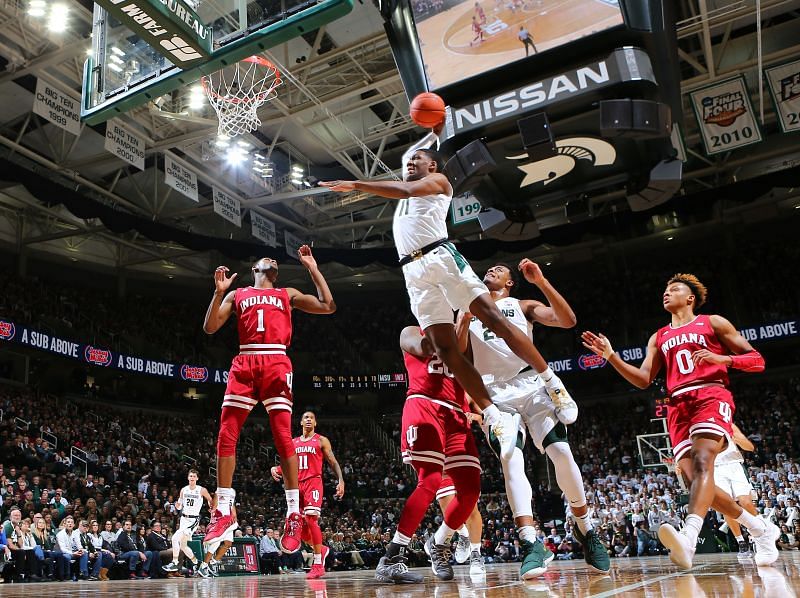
[
  {"x": 700, "y": 410},
  {"x": 446, "y": 487},
  {"x": 311, "y": 496},
  {"x": 265, "y": 379},
  {"x": 436, "y": 432}
]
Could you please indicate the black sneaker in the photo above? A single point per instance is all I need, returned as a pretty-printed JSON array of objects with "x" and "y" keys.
[
  {"x": 440, "y": 559},
  {"x": 395, "y": 570}
]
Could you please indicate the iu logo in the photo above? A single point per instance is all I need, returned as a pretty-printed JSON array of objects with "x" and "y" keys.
[{"x": 411, "y": 436}]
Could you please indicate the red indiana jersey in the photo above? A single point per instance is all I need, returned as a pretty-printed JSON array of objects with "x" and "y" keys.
[
  {"x": 678, "y": 344},
  {"x": 309, "y": 457},
  {"x": 428, "y": 376},
  {"x": 264, "y": 319}
]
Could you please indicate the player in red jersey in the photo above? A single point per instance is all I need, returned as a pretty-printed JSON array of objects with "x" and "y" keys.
[
  {"x": 261, "y": 373},
  {"x": 435, "y": 436},
  {"x": 310, "y": 447},
  {"x": 696, "y": 352}
]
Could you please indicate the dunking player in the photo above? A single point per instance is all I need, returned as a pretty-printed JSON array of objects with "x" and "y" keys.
[
  {"x": 519, "y": 391},
  {"x": 310, "y": 447},
  {"x": 439, "y": 280},
  {"x": 696, "y": 352},
  {"x": 261, "y": 373},
  {"x": 190, "y": 501},
  {"x": 435, "y": 436}
]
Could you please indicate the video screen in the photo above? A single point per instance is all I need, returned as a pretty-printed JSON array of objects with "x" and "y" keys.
[{"x": 463, "y": 38}]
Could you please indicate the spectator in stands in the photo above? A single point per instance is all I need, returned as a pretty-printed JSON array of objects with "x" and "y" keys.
[
  {"x": 269, "y": 553},
  {"x": 26, "y": 563},
  {"x": 156, "y": 542},
  {"x": 102, "y": 550},
  {"x": 67, "y": 547},
  {"x": 133, "y": 550}
]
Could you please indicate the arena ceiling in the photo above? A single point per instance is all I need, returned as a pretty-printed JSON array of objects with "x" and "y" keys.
[{"x": 341, "y": 113}]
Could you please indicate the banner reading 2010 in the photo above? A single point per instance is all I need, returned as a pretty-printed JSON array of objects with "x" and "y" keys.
[{"x": 725, "y": 116}]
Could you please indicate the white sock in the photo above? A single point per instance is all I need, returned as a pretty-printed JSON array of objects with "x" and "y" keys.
[
  {"x": 401, "y": 539},
  {"x": 583, "y": 523},
  {"x": 317, "y": 559},
  {"x": 547, "y": 375},
  {"x": 292, "y": 501},
  {"x": 463, "y": 532},
  {"x": 753, "y": 524},
  {"x": 475, "y": 546},
  {"x": 694, "y": 523},
  {"x": 528, "y": 533},
  {"x": 491, "y": 415},
  {"x": 225, "y": 497},
  {"x": 739, "y": 538},
  {"x": 443, "y": 535}
]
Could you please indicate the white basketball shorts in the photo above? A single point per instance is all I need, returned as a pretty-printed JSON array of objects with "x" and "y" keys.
[
  {"x": 731, "y": 479},
  {"x": 526, "y": 394}
]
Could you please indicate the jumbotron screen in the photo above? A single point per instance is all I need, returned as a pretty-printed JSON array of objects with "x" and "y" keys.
[{"x": 463, "y": 38}]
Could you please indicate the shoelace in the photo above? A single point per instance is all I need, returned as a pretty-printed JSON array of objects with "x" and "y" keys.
[
  {"x": 442, "y": 557},
  {"x": 398, "y": 568}
]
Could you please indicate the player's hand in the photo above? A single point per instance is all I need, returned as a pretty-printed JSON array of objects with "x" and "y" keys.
[
  {"x": 221, "y": 281},
  {"x": 706, "y": 356},
  {"x": 276, "y": 475},
  {"x": 531, "y": 271},
  {"x": 340, "y": 490},
  {"x": 474, "y": 417},
  {"x": 341, "y": 186},
  {"x": 597, "y": 344},
  {"x": 305, "y": 257},
  {"x": 439, "y": 128}
]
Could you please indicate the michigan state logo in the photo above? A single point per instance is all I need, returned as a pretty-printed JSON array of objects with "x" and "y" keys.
[{"x": 411, "y": 436}]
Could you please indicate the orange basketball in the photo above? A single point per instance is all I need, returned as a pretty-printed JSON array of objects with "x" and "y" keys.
[{"x": 427, "y": 110}]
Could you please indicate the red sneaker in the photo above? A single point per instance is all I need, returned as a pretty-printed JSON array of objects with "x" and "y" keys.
[
  {"x": 290, "y": 540},
  {"x": 325, "y": 551},
  {"x": 218, "y": 526},
  {"x": 315, "y": 572}
]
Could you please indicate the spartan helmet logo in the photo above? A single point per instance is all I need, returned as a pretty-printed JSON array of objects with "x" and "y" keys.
[{"x": 596, "y": 151}]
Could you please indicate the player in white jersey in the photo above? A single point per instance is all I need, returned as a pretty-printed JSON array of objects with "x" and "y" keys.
[
  {"x": 518, "y": 390},
  {"x": 730, "y": 476},
  {"x": 189, "y": 503},
  {"x": 439, "y": 280}
]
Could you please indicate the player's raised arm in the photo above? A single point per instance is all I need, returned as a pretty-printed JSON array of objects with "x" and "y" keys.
[
  {"x": 414, "y": 343},
  {"x": 327, "y": 450},
  {"x": 558, "y": 314},
  {"x": 744, "y": 357},
  {"x": 641, "y": 376},
  {"x": 323, "y": 303},
  {"x": 433, "y": 184},
  {"x": 221, "y": 306}
]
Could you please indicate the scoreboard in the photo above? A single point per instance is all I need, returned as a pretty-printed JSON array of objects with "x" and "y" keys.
[
  {"x": 660, "y": 405},
  {"x": 360, "y": 381}
]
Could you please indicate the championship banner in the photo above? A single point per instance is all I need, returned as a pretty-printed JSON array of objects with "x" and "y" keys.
[
  {"x": 57, "y": 107},
  {"x": 292, "y": 244},
  {"x": 263, "y": 229},
  {"x": 464, "y": 208},
  {"x": 228, "y": 207},
  {"x": 784, "y": 85},
  {"x": 124, "y": 144},
  {"x": 180, "y": 178},
  {"x": 725, "y": 116}
]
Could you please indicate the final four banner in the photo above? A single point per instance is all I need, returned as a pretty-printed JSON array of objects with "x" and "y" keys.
[
  {"x": 784, "y": 85},
  {"x": 725, "y": 116}
]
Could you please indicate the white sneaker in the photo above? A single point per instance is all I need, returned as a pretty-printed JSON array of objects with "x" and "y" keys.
[
  {"x": 766, "y": 551},
  {"x": 477, "y": 568},
  {"x": 506, "y": 430},
  {"x": 462, "y": 550},
  {"x": 566, "y": 409},
  {"x": 681, "y": 552}
]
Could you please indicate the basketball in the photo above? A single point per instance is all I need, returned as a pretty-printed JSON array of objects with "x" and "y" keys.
[{"x": 427, "y": 110}]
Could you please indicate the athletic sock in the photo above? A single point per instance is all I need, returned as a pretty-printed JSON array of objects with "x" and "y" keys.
[
  {"x": 547, "y": 375},
  {"x": 443, "y": 535},
  {"x": 225, "y": 497},
  {"x": 694, "y": 523},
  {"x": 397, "y": 545},
  {"x": 463, "y": 532},
  {"x": 475, "y": 546},
  {"x": 527, "y": 533},
  {"x": 583, "y": 523},
  {"x": 739, "y": 538},
  {"x": 292, "y": 501},
  {"x": 753, "y": 524},
  {"x": 317, "y": 559}
]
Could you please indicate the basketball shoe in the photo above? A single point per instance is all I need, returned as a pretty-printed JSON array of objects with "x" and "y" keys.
[
  {"x": 395, "y": 570},
  {"x": 566, "y": 408},
  {"x": 535, "y": 558},
  {"x": 681, "y": 552},
  {"x": 463, "y": 549},
  {"x": 477, "y": 568},
  {"x": 766, "y": 551},
  {"x": 220, "y": 525},
  {"x": 594, "y": 551},
  {"x": 318, "y": 569},
  {"x": 440, "y": 559},
  {"x": 504, "y": 431},
  {"x": 290, "y": 540}
]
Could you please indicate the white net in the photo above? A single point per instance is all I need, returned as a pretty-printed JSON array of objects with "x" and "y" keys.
[{"x": 237, "y": 92}]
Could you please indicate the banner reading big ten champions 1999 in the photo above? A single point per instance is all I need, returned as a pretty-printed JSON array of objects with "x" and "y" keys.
[
  {"x": 725, "y": 116},
  {"x": 12, "y": 332}
]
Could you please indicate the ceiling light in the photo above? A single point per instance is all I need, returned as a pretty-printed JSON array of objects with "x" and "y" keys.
[
  {"x": 223, "y": 141},
  {"x": 115, "y": 67},
  {"x": 297, "y": 168},
  {"x": 116, "y": 59},
  {"x": 89, "y": 52},
  {"x": 670, "y": 238},
  {"x": 36, "y": 8},
  {"x": 196, "y": 97},
  {"x": 236, "y": 155},
  {"x": 117, "y": 51},
  {"x": 58, "y": 18},
  {"x": 549, "y": 264}
]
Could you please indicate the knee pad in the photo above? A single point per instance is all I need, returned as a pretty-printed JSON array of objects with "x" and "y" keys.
[
  {"x": 230, "y": 425},
  {"x": 280, "y": 421}
]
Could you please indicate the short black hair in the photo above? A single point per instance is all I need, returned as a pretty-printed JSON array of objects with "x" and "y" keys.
[
  {"x": 436, "y": 156},
  {"x": 514, "y": 275}
]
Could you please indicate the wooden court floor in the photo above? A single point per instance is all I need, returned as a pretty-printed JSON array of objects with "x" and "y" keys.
[{"x": 713, "y": 576}]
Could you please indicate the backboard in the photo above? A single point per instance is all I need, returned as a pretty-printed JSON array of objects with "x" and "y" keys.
[{"x": 125, "y": 70}]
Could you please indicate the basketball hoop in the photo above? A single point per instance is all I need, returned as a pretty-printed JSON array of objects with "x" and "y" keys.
[{"x": 238, "y": 91}]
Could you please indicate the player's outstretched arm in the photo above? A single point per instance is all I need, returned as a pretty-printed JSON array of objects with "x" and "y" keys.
[
  {"x": 323, "y": 303},
  {"x": 221, "y": 306},
  {"x": 742, "y": 441},
  {"x": 430, "y": 185},
  {"x": 744, "y": 357},
  {"x": 327, "y": 450},
  {"x": 641, "y": 376},
  {"x": 414, "y": 343},
  {"x": 207, "y": 496},
  {"x": 558, "y": 314},
  {"x": 462, "y": 330}
]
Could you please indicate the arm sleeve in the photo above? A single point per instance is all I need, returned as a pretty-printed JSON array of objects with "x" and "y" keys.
[
  {"x": 425, "y": 142},
  {"x": 752, "y": 361}
]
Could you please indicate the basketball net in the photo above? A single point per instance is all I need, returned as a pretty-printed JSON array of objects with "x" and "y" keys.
[{"x": 237, "y": 92}]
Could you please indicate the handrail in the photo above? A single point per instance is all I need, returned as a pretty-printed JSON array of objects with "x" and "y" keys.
[
  {"x": 49, "y": 437},
  {"x": 18, "y": 421},
  {"x": 138, "y": 438},
  {"x": 79, "y": 454}
]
